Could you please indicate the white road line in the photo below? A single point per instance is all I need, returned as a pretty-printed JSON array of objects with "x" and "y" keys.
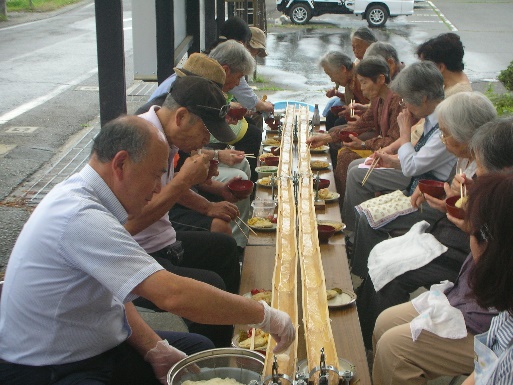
[
  {"x": 442, "y": 16},
  {"x": 36, "y": 21},
  {"x": 44, "y": 98}
]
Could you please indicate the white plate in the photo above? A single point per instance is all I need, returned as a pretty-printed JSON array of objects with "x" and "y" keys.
[
  {"x": 346, "y": 298},
  {"x": 319, "y": 150},
  {"x": 335, "y": 224},
  {"x": 302, "y": 366},
  {"x": 235, "y": 344},
  {"x": 334, "y": 197},
  {"x": 268, "y": 148},
  {"x": 267, "y": 169}
]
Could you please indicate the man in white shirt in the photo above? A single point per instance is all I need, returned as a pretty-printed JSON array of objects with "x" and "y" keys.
[{"x": 66, "y": 314}]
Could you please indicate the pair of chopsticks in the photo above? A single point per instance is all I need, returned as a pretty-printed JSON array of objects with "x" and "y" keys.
[
  {"x": 245, "y": 224},
  {"x": 373, "y": 165},
  {"x": 463, "y": 187},
  {"x": 245, "y": 155},
  {"x": 351, "y": 110}
]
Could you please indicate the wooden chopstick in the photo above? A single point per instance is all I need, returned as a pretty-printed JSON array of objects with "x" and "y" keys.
[
  {"x": 252, "y": 344},
  {"x": 245, "y": 224},
  {"x": 461, "y": 185},
  {"x": 373, "y": 165},
  {"x": 242, "y": 231}
]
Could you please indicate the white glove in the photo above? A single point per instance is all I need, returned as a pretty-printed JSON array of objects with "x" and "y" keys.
[
  {"x": 162, "y": 357},
  {"x": 279, "y": 325}
]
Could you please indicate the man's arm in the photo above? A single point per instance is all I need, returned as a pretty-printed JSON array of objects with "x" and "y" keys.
[
  {"x": 223, "y": 210},
  {"x": 143, "y": 338},
  {"x": 198, "y": 301},
  {"x": 194, "y": 171}
]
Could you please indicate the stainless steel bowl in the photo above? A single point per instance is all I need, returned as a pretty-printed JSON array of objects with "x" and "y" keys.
[{"x": 243, "y": 365}]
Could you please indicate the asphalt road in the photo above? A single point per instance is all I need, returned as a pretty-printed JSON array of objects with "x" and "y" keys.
[{"x": 48, "y": 74}]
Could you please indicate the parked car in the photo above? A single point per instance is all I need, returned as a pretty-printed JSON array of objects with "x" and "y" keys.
[{"x": 376, "y": 12}]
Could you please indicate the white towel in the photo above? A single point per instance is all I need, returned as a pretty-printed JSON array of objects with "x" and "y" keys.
[
  {"x": 436, "y": 314},
  {"x": 393, "y": 257}
]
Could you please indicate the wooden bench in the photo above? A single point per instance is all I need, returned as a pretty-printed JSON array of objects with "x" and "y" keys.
[{"x": 257, "y": 271}]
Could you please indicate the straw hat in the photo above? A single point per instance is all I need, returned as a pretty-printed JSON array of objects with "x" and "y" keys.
[
  {"x": 200, "y": 64},
  {"x": 258, "y": 41}
]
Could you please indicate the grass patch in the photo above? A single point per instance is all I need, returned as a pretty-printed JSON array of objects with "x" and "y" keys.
[
  {"x": 266, "y": 87},
  {"x": 37, "y": 5},
  {"x": 503, "y": 102}
]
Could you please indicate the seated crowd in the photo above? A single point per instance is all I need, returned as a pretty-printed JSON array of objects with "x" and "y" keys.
[
  {"x": 150, "y": 222},
  {"x": 424, "y": 122}
]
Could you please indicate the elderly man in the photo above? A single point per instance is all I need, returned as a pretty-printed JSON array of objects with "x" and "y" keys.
[
  {"x": 192, "y": 111},
  {"x": 421, "y": 87},
  {"x": 233, "y": 164},
  {"x": 66, "y": 315}
]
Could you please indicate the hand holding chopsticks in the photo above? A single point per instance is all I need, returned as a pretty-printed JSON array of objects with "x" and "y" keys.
[
  {"x": 373, "y": 165},
  {"x": 463, "y": 186}
]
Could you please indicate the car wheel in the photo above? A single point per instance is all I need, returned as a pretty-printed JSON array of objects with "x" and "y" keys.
[
  {"x": 300, "y": 13},
  {"x": 377, "y": 16}
]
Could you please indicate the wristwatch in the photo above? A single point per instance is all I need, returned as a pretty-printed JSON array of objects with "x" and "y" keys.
[{"x": 216, "y": 155}]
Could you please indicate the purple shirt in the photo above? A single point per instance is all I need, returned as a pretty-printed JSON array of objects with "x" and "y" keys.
[{"x": 461, "y": 297}]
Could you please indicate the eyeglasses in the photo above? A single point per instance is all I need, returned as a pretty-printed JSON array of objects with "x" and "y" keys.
[
  {"x": 483, "y": 234},
  {"x": 444, "y": 137},
  {"x": 223, "y": 111}
]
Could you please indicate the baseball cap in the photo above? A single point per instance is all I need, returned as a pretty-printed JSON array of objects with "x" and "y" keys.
[
  {"x": 200, "y": 64},
  {"x": 258, "y": 41},
  {"x": 205, "y": 99}
]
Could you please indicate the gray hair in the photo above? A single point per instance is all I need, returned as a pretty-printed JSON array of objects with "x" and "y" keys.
[
  {"x": 373, "y": 66},
  {"x": 364, "y": 33},
  {"x": 171, "y": 104},
  {"x": 418, "y": 81},
  {"x": 463, "y": 113},
  {"x": 493, "y": 145},
  {"x": 336, "y": 60},
  {"x": 126, "y": 133},
  {"x": 385, "y": 50},
  {"x": 235, "y": 56}
]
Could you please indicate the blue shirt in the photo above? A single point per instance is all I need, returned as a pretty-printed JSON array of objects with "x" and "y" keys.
[
  {"x": 71, "y": 270},
  {"x": 164, "y": 87},
  {"x": 433, "y": 156}
]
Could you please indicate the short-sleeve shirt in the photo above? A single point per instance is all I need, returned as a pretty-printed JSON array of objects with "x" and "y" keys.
[{"x": 70, "y": 272}]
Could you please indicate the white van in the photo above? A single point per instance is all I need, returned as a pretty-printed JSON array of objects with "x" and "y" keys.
[{"x": 376, "y": 12}]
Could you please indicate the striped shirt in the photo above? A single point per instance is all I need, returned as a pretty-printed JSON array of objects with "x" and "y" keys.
[
  {"x": 499, "y": 340},
  {"x": 71, "y": 270}
]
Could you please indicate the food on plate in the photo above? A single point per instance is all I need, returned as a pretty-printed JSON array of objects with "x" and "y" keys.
[
  {"x": 262, "y": 295},
  {"x": 261, "y": 339},
  {"x": 266, "y": 155},
  {"x": 213, "y": 381},
  {"x": 266, "y": 181},
  {"x": 271, "y": 142},
  {"x": 318, "y": 164},
  {"x": 338, "y": 226},
  {"x": 461, "y": 202},
  {"x": 332, "y": 293},
  {"x": 260, "y": 222},
  {"x": 324, "y": 193},
  {"x": 320, "y": 148}
]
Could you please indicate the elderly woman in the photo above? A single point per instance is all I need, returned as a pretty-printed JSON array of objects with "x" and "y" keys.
[
  {"x": 482, "y": 288},
  {"x": 341, "y": 70},
  {"x": 388, "y": 52},
  {"x": 379, "y": 122},
  {"x": 361, "y": 39},
  {"x": 460, "y": 117},
  {"x": 421, "y": 87}
]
